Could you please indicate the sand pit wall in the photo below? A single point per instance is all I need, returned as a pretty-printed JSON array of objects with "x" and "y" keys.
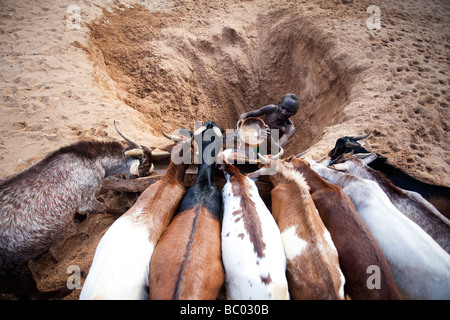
[{"x": 175, "y": 75}]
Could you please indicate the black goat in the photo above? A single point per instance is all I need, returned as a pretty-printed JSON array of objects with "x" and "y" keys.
[
  {"x": 439, "y": 196},
  {"x": 38, "y": 204},
  {"x": 187, "y": 263}
]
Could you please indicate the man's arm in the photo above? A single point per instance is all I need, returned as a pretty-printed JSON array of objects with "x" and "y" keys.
[
  {"x": 259, "y": 112},
  {"x": 256, "y": 113},
  {"x": 290, "y": 131}
]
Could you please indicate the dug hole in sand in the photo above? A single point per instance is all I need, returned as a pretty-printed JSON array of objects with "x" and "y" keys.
[
  {"x": 208, "y": 71},
  {"x": 155, "y": 65}
]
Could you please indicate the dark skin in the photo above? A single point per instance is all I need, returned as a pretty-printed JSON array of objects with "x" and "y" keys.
[{"x": 277, "y": 117}]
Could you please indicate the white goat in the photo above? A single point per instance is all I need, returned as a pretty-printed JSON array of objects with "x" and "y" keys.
[
  {"x": 421, "y": 268},
  {"x": 410, "y": 203}
]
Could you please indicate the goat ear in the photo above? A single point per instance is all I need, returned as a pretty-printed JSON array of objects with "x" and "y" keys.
[
  {"x": 326, "y": 161},
  {"x": 311, "y": 162},
  {"x": 134, "y": 168},
  {"x": 255, "y": 174},
  {"x": 200, "y": 130},
  {"x": 264, "y": 171},
  {"x": 134, "y": 153},
  {"x": 366, "y": 157},
  {"x": 342, "y": 167},
  {"x": 218, "y": 132},
  {"x": 288, "y": 159},
  {"x": 224, "y": 155},
  {"x": 361, "y": 156},
  {"x": 352, "y": 144},
  {"x": 370, "y": 158}
]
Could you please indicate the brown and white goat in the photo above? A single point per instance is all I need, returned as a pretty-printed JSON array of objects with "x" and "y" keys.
[
  {"x": 410, "y": 203},
  {"x": 120, "y": 269},
  {"x": 187, "y": 263},
  {"x": 252, "y": 248},
  {"x": 313, "y": 270},
  {"x": 357, "y": 248},
  {"x": 38, "y": 204}
]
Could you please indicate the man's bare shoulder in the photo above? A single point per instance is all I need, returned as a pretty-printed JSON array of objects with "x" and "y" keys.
[{"x": 270, "y": 108}]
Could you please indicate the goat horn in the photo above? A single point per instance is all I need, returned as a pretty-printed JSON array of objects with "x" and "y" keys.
[
  {"x": 172, "y": 137},
  {"x": 301, "y": 154},
  {"x": 363, "y": 137},
  {"x": 278, "y": 155},
  {"x": 130, "y": 142},
  {"x": 134, "y": 152}
]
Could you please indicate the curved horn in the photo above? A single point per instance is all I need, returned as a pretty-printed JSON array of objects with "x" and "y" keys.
[
  {"x": 301, "y": 154},
  {"x": 278, "y": 155},
  {"x": 130, "y": 142},
  {"x": 363, "y": 137},
  {"x": 172, "y": 137}
]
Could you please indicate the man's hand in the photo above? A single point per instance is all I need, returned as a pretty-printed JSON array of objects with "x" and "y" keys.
[
  {"x": 238, "y": 124},
  {"x": 264, "y": 132}
]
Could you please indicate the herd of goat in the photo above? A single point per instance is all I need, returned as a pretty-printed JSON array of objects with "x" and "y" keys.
[{"x": 352, "y": 226}]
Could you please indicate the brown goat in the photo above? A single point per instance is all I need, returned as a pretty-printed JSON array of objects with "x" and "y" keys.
[
  {"x": 187, "y": 262},
  {"x": 313, "y": 270},
  {"x": 357, "y": 248}
]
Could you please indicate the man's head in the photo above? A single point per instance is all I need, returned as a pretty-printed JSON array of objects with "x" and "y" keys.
[{"x": 288, "y": 106}]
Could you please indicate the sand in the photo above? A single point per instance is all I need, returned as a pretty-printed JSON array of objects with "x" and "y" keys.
[{"x": 68, "y": 70}]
